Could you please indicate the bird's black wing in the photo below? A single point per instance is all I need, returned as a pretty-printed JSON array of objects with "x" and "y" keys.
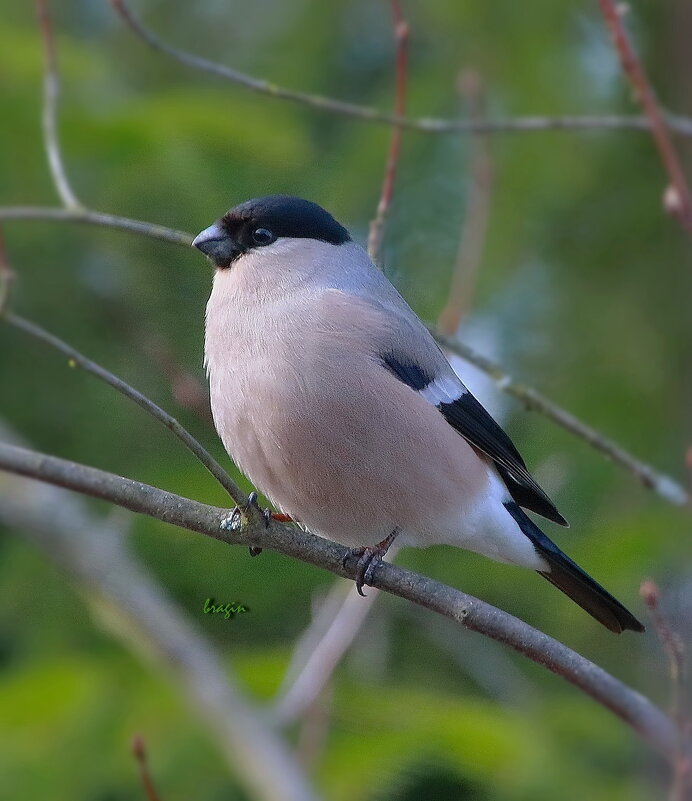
[
  {"x": 466, "y": 415},
  {"x": 470, "y": 419}
]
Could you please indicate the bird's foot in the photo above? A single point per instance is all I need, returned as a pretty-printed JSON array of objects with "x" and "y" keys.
[
  {"x": 369, "y": 559},
  {"x": 234, "y": 521}
]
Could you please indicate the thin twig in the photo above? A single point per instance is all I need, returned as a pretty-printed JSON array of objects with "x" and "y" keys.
[
  {"x": 314, "y": 732},
  {"x": 679, "y": 203},
  {"x": 682, "y": 125},
  {"x": 672, "y": 644},
  {"x": 674, "y": 649},
  {"x": 7, "y": 276},
  {"x": 76, "y": 359},
  {"x": 51, "y": 94},
  {"x": 140, "y": 754},
  {"x": 634, "y": 709},
  {"x": 664, "y": 486},
  {"x": 325, "y": 655},
  {"x": 475, "y": 225},
  {"x": 328, "y": 649},
  {"x": 401, "y": 33},
  {"x": 491, "y": 668},
  {"x": 92, "y": 217},
  {"x": 187, "y": 389}
]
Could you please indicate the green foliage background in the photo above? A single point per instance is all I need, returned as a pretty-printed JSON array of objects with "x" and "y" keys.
[{"x": 587, "y": 285}]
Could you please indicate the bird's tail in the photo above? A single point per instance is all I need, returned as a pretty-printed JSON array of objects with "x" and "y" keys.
[{"x": 567, "y": 576}]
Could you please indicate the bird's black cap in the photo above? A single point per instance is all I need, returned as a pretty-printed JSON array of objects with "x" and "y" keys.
[
  {"x": 285, "y": 215},
  {"x": 260, "y": 222}
]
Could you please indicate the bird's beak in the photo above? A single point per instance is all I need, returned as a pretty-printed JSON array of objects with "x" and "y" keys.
[
  {"x": 206, "y": 240},
  {"x": 216, "y": 243}
]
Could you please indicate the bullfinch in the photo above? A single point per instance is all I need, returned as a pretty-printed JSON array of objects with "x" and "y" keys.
[{"x": 333, "y": 398}]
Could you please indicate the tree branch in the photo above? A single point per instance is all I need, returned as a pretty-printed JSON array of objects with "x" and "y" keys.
[
  {"x": 322, "y": 646},
  {"x": 679, "y": 202},
  {"x": 51, "y": 94},
  {"x": 92, "y": 217},
  {"x": 476, "y": 215},
  {"x": 664, "y": 486},
  {"x": 139, "y": 752},
  {"x": 6, "y": 276},
  {"x": 633, "y": 708},
  {"x": 78, "y": 360},
  {"x": 680, "y": 124},
  {"x": 187, "y": 389},
  {"x": 401, "y": 33},
  {"x": 674, "y": 649}
]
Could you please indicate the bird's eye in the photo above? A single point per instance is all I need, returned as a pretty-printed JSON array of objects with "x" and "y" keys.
[{"x": 262, "y": 236}]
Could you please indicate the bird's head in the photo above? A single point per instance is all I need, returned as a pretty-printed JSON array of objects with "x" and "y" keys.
[{"x": 266, "y": 223}]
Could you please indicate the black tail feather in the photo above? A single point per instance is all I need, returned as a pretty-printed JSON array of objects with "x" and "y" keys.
[{"x": 568, "y": 577}]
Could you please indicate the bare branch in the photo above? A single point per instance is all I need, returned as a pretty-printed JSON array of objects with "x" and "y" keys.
[
  {"x": 6, "y": 276},
  {"x": 314, "y": 731},
  {"x": 671, "y": 642},
  {"x": 92, "y": 217},
  {"x": 674, "y": 649},
  {"x": 486, "y": 663},
  {"x": 139, "y": 752},
  {"x": 680, "y": 203},
  {"x": 680, "y": 124},
  {"x": 51, "y": 94},
  {"x": 477, "y": 213},
  {"x": 401, "y": 33},
  {"x": 664, "y": 486},
  {"x": 187, "y": 389},
  {"x": 328, "y": 649},
  {"x": 78, "y": 360},
  {"x": 635, "y": 710}
]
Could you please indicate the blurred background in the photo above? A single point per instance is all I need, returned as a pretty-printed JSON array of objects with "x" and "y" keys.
[{"x": 581, "y": 288}]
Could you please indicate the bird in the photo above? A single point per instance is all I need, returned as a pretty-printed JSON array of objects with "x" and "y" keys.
[{"x": 334, "y": 399}]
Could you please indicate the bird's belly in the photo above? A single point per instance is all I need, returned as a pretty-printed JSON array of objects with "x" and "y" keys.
[{"x": 342, "y": 458}]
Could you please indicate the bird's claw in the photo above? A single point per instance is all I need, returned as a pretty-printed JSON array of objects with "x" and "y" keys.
[
  {"x": 266, "y": 514},
  {"x": 369, "y": 559},
  {"x": 252, "y": 504}
]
